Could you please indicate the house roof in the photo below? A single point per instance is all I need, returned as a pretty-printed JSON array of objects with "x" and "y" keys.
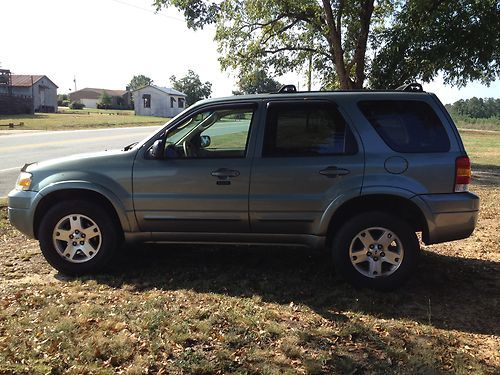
[
  {"x": 24, "y": 80},
  {"x": 166, "y": 90},
  {"x": 94, "y": 93}
]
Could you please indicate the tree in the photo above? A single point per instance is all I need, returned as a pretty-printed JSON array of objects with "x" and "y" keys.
[
  {"x": 458, "y": 38},
  {"x": 139, "y": 81},
  {"x": 105, "y": 100},
  {"x": 284, "y": 35},
  {"x": 336, "y": 34},
  {"x": 256, "y": 81},
  {"x": 191, "y": 86}
]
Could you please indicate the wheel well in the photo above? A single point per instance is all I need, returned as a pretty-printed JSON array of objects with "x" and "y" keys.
[
  {"x": 72, "y": 194},
  {"x": 391, "y": 204}
]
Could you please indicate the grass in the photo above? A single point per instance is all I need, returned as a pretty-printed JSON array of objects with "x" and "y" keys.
[
  {"x": 492, "y": 124},
  {"x": 250, "y": 310},
  {"x": 80, "y": 119},
  {"x": 482, "y": 147}
]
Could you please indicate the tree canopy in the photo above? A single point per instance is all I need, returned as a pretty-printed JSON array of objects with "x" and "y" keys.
[
  {"x": 388, "y": 41},
  {"x": 476, "y": 108},
  {"x": 192, "y": 86},
  {"x": 139, "y": 81},
  {"x": 256, "y": 81}
]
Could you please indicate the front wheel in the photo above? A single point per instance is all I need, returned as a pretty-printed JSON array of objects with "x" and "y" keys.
[
  {"x": 375, "y": 250},
  {"x": 78, "y": 237}
]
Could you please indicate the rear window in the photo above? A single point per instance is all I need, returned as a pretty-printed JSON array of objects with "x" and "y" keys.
[{"x": 406, "y": 125}]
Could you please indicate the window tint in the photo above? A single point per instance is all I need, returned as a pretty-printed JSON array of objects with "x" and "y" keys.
[
  {"x": 306, "y": 129},
  {"x": 406, "y": 126}
]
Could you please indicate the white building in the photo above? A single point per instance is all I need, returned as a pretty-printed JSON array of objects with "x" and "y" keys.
[
  {"x": 158, "y": 101},
  {"x": 90, "y": 97}
]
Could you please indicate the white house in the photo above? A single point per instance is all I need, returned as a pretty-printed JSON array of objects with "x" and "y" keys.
[
  {"x": 90, "y": 97},
  {"x": 39, "y": 89},
  {"x": 158, "y": 101}
]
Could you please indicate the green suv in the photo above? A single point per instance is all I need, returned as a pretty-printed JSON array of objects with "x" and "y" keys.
[{"x": 358, "y": 173}]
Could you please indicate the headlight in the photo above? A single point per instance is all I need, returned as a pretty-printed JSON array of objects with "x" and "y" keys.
[{"x": 23, "y": 181}]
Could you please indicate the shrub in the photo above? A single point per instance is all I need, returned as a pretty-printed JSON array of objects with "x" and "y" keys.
[{"x": 76, "y": 105}]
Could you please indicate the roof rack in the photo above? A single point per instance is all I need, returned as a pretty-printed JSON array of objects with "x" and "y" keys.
[
  {"x": 413, "y": 87},
  {"x": 287, "y": 89}
]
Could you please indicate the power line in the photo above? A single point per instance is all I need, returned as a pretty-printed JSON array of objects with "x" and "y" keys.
[{"x": 148, "y": 10}]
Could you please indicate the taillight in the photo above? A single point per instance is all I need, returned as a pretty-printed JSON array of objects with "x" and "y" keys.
[{"x": 462, "y": 174}]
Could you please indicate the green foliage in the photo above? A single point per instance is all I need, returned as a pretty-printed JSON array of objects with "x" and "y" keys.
[
  {"x": 476, "y": 108},
  {"x": 63, "y": 100},
  {"x": 139, "y": 81},
  {"x": 406, "y": 39},
  {"x": 106, "y": 101},
  {"x": 76, "y": 105},
  {"x": 192, "y": 86},
  {"x": 256, "y": 81},
  {"x": 459, "y": 38}
]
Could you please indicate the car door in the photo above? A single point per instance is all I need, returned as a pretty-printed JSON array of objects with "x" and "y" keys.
[
  {"x": 202, "y": 182},
  {"x": 309, "y": 158}
]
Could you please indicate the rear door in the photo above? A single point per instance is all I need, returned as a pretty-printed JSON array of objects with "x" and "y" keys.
[{"x": 309, "y": 157}]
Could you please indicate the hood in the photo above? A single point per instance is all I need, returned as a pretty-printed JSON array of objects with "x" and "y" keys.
[{"x": 76, "y": 161}]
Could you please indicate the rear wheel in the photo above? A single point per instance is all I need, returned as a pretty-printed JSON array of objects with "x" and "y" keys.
[
  {"x": 375, "y": 250},
  {"x": 78, "y": 237}
]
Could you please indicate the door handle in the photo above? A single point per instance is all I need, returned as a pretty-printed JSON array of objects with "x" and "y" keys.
[
  {"x": 334, "y": 171},
  {"x": 224, "y": 173}
]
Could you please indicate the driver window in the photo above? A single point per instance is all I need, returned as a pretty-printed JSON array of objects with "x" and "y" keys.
[{"x": 221, "y": 133}]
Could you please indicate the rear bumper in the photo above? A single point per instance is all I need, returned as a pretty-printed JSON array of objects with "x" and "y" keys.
[{"x": 449, "y": 216}]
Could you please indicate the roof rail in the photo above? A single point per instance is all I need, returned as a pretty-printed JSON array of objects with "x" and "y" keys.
[
  {"x": 414, "y": 87},
  {"x": 287, "y": 89}
]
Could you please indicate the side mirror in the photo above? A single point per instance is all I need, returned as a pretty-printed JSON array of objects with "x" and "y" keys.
[
  {"x": 205, "y": 141},
  {"x": 157, "y": 149}
]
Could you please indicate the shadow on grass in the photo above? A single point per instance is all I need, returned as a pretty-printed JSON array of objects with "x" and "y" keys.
[
  {"x": 486, "y": 174},
  {"x": 448, "y": 292}
]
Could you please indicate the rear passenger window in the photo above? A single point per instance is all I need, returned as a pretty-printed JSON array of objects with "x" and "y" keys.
[
  {"x": 406, "y": 125},
  {"x": 306, "y": 129}
]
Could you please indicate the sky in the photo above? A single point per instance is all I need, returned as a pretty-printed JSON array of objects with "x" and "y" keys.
[{"x": 104, "y": 43}]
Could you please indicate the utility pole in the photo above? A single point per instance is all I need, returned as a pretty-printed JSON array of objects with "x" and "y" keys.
[{"x": 74, "y": 81}]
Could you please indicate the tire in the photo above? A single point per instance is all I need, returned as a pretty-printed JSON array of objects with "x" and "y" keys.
[
  {"x": 78, "y": 237},
  {"x": 375, "y": 250}
]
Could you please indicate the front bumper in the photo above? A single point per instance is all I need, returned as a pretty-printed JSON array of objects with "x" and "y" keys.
[
  {"x": 449, "y": 216},
  {"x": 21, "y": 210}
]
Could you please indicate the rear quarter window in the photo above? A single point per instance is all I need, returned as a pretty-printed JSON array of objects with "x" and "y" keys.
[{"x": 406, "y": 125}]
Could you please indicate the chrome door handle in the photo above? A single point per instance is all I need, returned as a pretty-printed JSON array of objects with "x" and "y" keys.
[
  {"x": 334, "y": 171},
  {"x": 225, "y": 173}
]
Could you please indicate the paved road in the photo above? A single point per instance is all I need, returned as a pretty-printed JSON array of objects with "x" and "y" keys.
[{"x": 20, "y": 148}]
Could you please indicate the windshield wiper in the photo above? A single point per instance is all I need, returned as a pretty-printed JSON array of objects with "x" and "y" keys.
[{"x": 126, "y": 148}]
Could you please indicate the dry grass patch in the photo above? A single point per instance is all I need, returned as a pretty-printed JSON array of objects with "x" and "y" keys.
[{"x": 249, "y": 310}]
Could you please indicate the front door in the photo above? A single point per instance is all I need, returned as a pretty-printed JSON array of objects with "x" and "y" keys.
[
  {"x": 201, "y": 184},
  {"x": 309, "y": 158}
]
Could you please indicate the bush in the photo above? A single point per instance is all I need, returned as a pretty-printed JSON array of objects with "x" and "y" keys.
[
  {"x": 76, "y": 105},
  {"x": 63, "y": 103}
]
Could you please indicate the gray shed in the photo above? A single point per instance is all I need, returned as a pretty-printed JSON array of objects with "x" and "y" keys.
[
  {"x": 38, "y": 88},
  {"x": 158, "y": 101}
]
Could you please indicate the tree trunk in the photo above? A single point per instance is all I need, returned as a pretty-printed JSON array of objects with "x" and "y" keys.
[{"x": 334, "y": 37}]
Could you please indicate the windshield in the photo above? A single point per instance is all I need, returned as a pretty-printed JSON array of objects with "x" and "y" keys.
[{"x": 202, "y": 120}]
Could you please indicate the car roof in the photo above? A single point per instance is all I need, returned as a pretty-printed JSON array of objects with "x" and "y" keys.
[{"x": 359, "y": 94}]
